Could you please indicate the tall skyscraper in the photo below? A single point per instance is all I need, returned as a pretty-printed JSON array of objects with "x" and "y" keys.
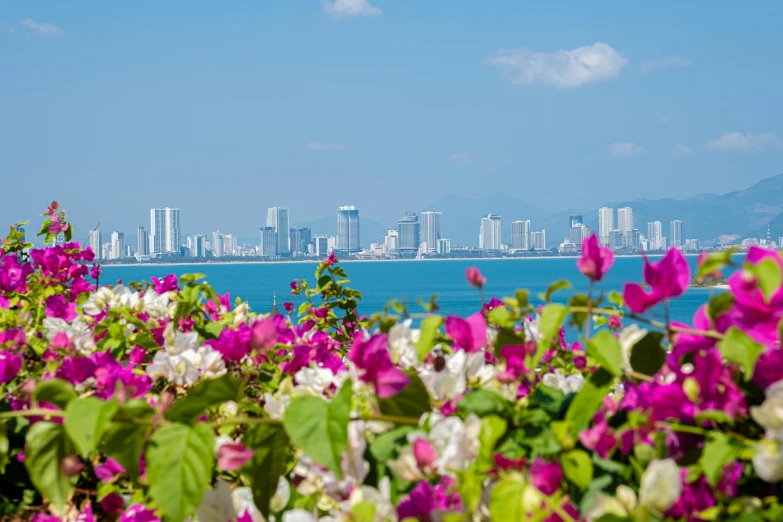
[
  {"x": 409, "y": 233},
  {"x": 348, "y": 230},
  {"x": 164, "y": 230},
  {"x": 520, "y": 235},
  {"x": 143, "y": 242},
  {"x": 96, "y": 242},
  {"x": 489, "y": 233},
  {"x": 575, "y": 219},
  {"x": 605, "y": 224},
  {"x": 577, "y": 234},
  {"x": 128, "y": 251},
  {"x": 538, "y": 239},
  {"x": 117, "y": 245},
  {"x": 217, "y": 245},
  {"x": 655, "y": 235},
  {"x": 675, "y": 233},
  {"x": 229, "y": 245},
  {"x": 300, "y": 238},
  {"x": 625, "y": 225},
  {"x": 277, "y": 218},
  {"x": 269, "y": 242},
  {"x": 431, "y": 229},
  {"x": 444, "y": 246},
  {"x": 321, "y": 244},
  {"x": 197, "y": 245},
  {"x": 391, "y": 241}
]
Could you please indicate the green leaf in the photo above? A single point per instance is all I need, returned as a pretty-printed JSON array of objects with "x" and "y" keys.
[
  {"x": 271, "y": 450},
  {"x": 715, "y": 261},
  {"x": 47, "y": 446},
  {"x": 717, "y": 452},
  {"x": 430, "y": 328},
  {"x": 191, "y": 278},
  {"x": 492, "y": 429},
  {"x": 507, "y": 337},
  {"x": 606, "y": 349},
  {"x": 554, "y": 287},
  {"x": 180, "y": 460},
  {"x": 769, "y": 276},
  {"x": 320, "y": 428},
  {"x": 715, "y": 416},
  {"x": 206, "y": 394},
  {"x": 5, "y": 445},
  {"x": 483, "y": 403},
  {"x": 85, "y": 421},
  {"x": 501, "y": 316},
  {"x": 552, "y": 317},
  {"x": 521, "y": 297},
  {"x": 578, "y": 468},
  {"x": 413, "y": 401},
  {"x": 54, "y": 391},
  {"x": 719, "y": 305},
  {"x": 505, "y": 502},
  {"x": 551, "y": 399},
  {"x": 126, "y": 434},
  {"x": 647, "y": 355},
  {"x": 384, "y": 446},
  {"x": 578, "y": 300},
  {"x": 737, "y": 347},
  {"x": 588, "y": 400}
]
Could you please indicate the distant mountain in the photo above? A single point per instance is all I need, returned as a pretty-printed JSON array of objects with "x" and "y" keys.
[
  {"x": 462, "y": 216},
  {"x": 370, "y": 231}
]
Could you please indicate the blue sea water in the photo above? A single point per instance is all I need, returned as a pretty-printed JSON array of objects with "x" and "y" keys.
[{"x": 380, "y": 282}]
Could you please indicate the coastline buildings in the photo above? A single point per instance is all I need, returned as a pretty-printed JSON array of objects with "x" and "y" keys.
[
  {"x": 117, "y": 245},
  {"x": 164, "y": 237},
  {"x": 391, "y": 242},
  {"x": 538, "y": 240},
  {"x": 431, "y": 229},
  {"x": 409, "y": 234},
  {"x": 197, "y": 245},
  {"x": 96, "y": 242},
  {"x": 321, "y": 245},
  {"x": 229, "y": 245},
  {"x": 489, "y": 233},
  {"x": 520, "y": 235},
  {"x": 217, "y": 245},
  {"x": 348, "y": 239},
  {"x": 300, "y": 239},
  {"x": 625, "y": 226},
  {"x": 605, "y": 224},
  {"x": 675, "y": 233},
  {"x": 655, "y": 236},
  {"x": 444, "y": 246},
  {"x": 578, "y": 230},
  {"x": 268, "y": 244},
  {"x": 142, "y": 242},
  {"x": 277, "y": 218}
]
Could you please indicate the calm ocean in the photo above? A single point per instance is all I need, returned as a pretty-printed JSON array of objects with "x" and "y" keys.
[{"x": 380, "y": 282}]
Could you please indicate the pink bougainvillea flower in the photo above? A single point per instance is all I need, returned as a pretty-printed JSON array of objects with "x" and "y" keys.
[
  {"x": 596, "y": 260},
  {"x": 474, "y": 277},
  {"x": 331, "y": 260},
  {"x": 418, "y": 504},
  {"x": 615, "y": 323},
  {"x": 546, "y": 476},
  {"x": 112, "y": 503},
  {"x": 372, "y": 356},
  {"x": 56, "y": 227},
  {"x": 108, "y": 470},
  {"x": 696, "y": 497},
  {"x": 424, "y": 453},
  {"x": 266, "y": 332},
  {"x": 233, "y": 456},
  {"x": 138, "y": 513},
  {"x": 598, "y": 438},
  {"x": 57, "y": 306},
  {"x": 668, "y": 278},
  {"x": 233, "y": 344},
  {"x": 493, "y": 303},
  {"x": 168, "y": 284},
  {"x": 10, "y": 365},
  {"x": 470, "y": 334},
  {"x": 288, "y": 306}
]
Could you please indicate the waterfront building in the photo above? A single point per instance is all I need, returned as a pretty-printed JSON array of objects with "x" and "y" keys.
[
  {"x": 691, "y": 245},
  {"x": 164, "y": 236},
  {"x": 331, "y": 243},
  {"x": 128, "y": 251},
  {"x": 142, "y": 242},
  {"x": 229, "y": 245},
  {"x": 575, "y": 220},
  {"x": 520, "y": 234},
  {"x": 299, "y": 238},
  {"x": 321, "y": 245},
  {"x": 218, "y": 244},
  {"x": 431, "y": 229},
  {"x": 655, "y": 235},
  {"x": 577, "y": 233},
  {"x": 605, "y": 224},
  {"x": 625, "y": 225},
  {"x": 409, "y": 233},
  {"x": 675, "y": 233},
  {"x": 277, "y": 218},
  {"x": 489, "y": 233},
  {"x": 538, "y": 239},
  {"x": 117, "y": 245},
  {"x": 269, "y": 244},
  {"x": 444, "y": 246},
  {"x": 197, "y": 245},
  {"x": 348, "y": 239},
  {"x": 106, "y": 254},
  {"x": 96, "y": 242},
  {"x": 391, "y": 241},
  {"x": 616, "y": 239}
]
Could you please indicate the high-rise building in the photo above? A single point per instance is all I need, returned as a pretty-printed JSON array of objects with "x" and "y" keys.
[
  {"x": 538, "y": 239},
  {"x": 655, "y": 235},
  {"x": 348, "y": 231},
  {"x": 117, "y": 245},
  {"x": 142, "y": 242},
  {"x": 577, "y": 234},
  {"x": 269, "y": 242},
  {"x": 691, "y": 245},
  {"x": 277, "y": 218},
  {"x": 675, "y": 233},
  {"x": 444, "y": 246},
  {"x": 575, "y": 220},
  {"x": 616, "y": 239},
  {"x": 128, "y": 251},
  {"x": 106, "y": 251},
  {"x": 489, "y": 233},
  {"x": 197, "y": 245},
  {"x": 229, "y": 245},
  {"x": 96, "y": 242},
  {"x": 625, "y": 225},
  {"x": 300, "y": 239},
  {"x": 520, "y": 235},
  {"x": 321, "y": 243},
  {"x": 164, "y": 230},
  {"x": 217, "y": 245},
  {"x": 605, "y": 224},
  {"x": 391, "y": 242},
  {"x": 409, "y": 233},
  {"x": 431, "y": 229}
]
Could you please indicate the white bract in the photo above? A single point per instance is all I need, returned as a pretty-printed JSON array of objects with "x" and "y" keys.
[
  {"x": 570, "y": 384},
  {"x": 768, "y": 461},
  {"x": 402, "y": 344},
  {"x": 456, "y": 443},
  {"x": 660, "y": 486},
  {"x": 275, "y": 405},
  {"x": 77, "y": 331},
  {"x": 313, "y": 381},
  {"x": 629, "y": 336},
  {"x": 770, "y": 414}
]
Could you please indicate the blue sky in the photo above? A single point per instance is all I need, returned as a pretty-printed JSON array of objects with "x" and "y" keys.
[{"x": 114, "y": 107}]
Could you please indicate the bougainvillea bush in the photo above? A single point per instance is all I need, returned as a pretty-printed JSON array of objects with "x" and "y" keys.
[{"x": 164, "y": 401}]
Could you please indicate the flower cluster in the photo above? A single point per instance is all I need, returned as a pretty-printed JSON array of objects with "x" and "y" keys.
[{"x": 163, "y": 400}]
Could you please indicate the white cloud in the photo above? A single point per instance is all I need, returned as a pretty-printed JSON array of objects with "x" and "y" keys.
[
  {"x": 346, "y": 8},
  {"x": 663, "y": 120},
  {"x": 461, "y": 159},
  {"x": 746, "y": 142},
  {"x": 681, "y": 150},
  {"x": 667, "y": 62},
  {"x": 626, "y": 149},
  {"x": 43, "y": 29},
  {"x": 317, "y": 145},
  {"x": 563, "y": 69}
]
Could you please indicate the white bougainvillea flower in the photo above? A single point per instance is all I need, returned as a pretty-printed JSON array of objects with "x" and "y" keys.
[
  {"x": 78, "y": 332},
  {"x": 402, "y": 344},
  {"x": 629, "y": 336},
  {"x": 208, "y": 362},
  {"x": 768, "y": 461},
  {"x": 313, "y": 381},
  {"x": 456, "y": 442},
  {"x": 660, "y": 486},
  {"x": 282, "y": 494},
  {"x": 182, "y": 341},
  {"x": 770, "y": 414},
  {"x": 176, "y": 369},
  {"x": 275, "y": 406},
  {"x": 567, "y": 384},
  {"x": 155, "y": 305}
]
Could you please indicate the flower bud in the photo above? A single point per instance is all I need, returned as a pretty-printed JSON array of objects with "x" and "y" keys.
[
  {"x": 71, "y": 466},
  {"x": 474, "y": 277}
]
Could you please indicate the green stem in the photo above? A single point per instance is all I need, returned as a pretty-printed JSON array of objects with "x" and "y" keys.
[
  {"x": 557, "y": 508},
  {"x": 589, "y": 317},
  {"x": 35, "y": 412}
]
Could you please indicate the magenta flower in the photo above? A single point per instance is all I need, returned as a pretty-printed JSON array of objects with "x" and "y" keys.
[
  {"x": 669, "y": 277},
  {"x": 13, "y": 275},
  {"x": 40, "y": 517},
  {"x": 546, "y": 476},
  {"x": 232, "y": 344},
  {"x": 331, "y": 260},
  {"x": 233, "y": 456},
  {"x": 108, "y": 470},
  {"x": 596, "y": 260},
  {"x": 470, "y": 334},
  {"x": 57, "y": 306},
  {"x": 598, "y": 438},
  {"x": 266, "y": 332},
  {"x": 56, "y": 227},
  {"x": 112, "y": 503},
  {"x": 139, "y": 513},
  {"x": 372, "y": 356},
  {"x": 10, "y": 365},
  {"x": 515, "y": 360},
  {"x": 492, "y": 304},
  {"x": 696, "y": 497},
  {"x": 418, "y": 504},
  {"x": 294, "y": 285},
  {"x": 475, "y": 278},
  {"x": 615, "y": 323},
  {"x": 168, "y": 284},
  {"x": 288, "y": 307},
  {"x": 424, "y": 453}
]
